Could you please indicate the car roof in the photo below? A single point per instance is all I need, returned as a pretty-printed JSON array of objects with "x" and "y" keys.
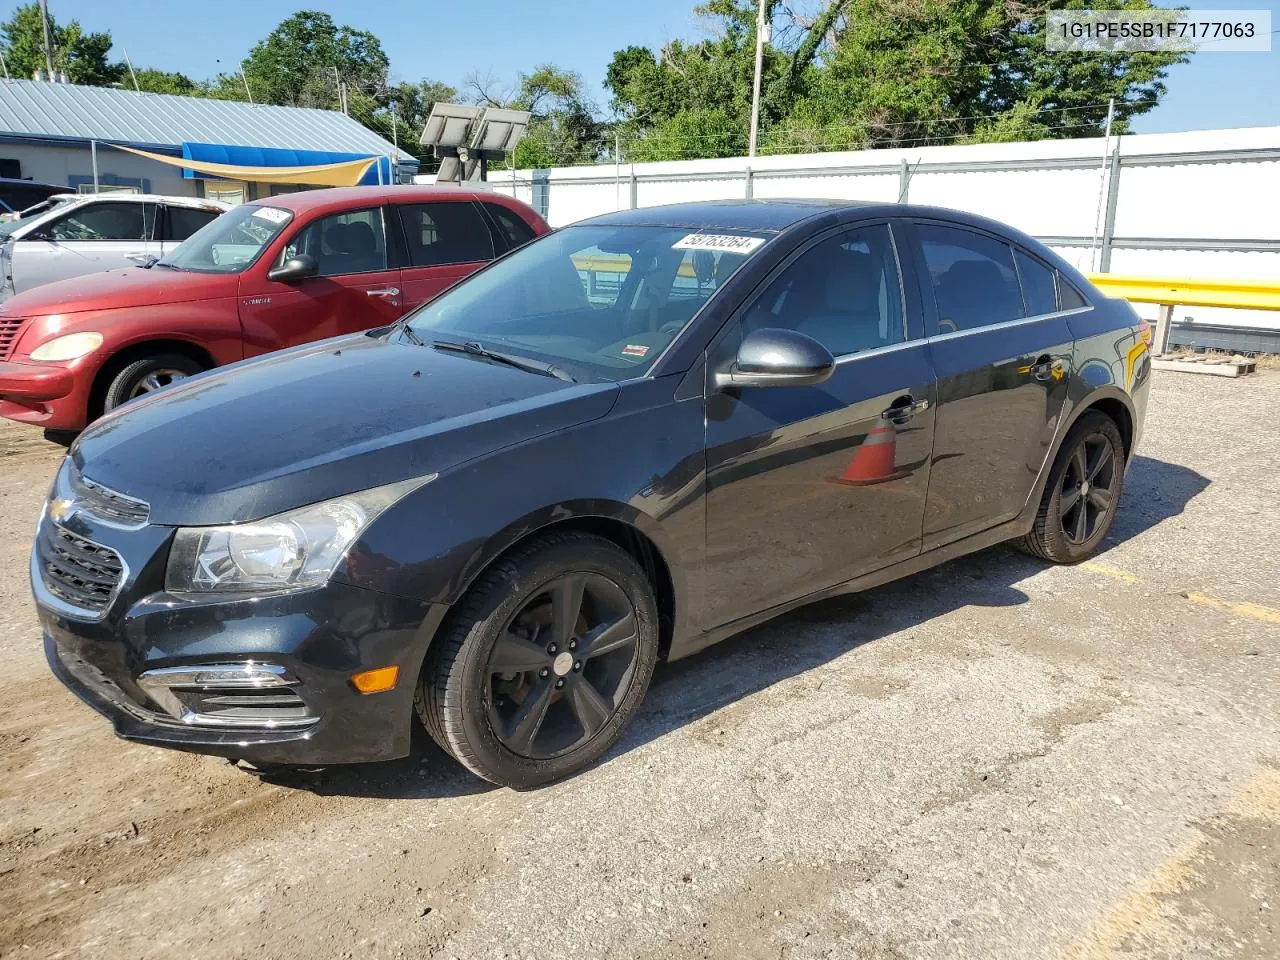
[
  {"x": 342, "y": 197},
  {"x": 771, "y": 216},
  {"x": 125, "y": 197}
]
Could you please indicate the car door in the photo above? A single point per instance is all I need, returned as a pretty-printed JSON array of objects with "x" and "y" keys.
[
  {"x": 181, "y": 222},
  {"x": 1002, "y": 376},
  {"x": 91, "y": 237},
  {"x": 812, "y": 486},
  {"x": 444, "y": 241},
  {"x": 353, "y": 290}
]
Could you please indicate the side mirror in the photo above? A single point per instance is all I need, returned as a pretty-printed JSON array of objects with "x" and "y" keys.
[
  {"x": 294, "y": 269},
  {"x": 777, "y": 358}
]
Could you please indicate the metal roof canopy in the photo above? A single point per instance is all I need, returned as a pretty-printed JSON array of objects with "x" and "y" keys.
[
  {"x": 465, "y": 137},
  {"x": 64, "y": 111}
]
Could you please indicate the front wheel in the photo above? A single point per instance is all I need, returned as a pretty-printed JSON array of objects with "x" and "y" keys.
[
  {"x": 1082, "y": 495},
  {"x": 540, "y": 667},
  {"x": 146, "y": 376}
]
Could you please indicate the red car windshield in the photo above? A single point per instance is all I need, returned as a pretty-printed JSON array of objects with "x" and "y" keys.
[{"x": 231, "y": 243}]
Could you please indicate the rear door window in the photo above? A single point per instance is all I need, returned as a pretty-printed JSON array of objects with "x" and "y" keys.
[
  {"x": 514, "y": 231},
  {"x": 973, "y": 277},
  {"x": 437, "y": 234},
  {"x": 1038, "y": 288}
]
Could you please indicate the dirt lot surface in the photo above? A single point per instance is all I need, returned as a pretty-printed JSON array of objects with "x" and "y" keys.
[{"x": 992, "y": 759}]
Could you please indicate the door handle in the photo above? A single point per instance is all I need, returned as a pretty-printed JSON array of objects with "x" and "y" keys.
[
  {"x": 384, "y": 292},
  {"x": 1045, "y": 369},
  {"x": 904, "y": 409}
]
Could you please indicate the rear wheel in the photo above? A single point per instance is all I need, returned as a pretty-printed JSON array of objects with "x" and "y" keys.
[
  {"x": 1083, "y": 492},
  {"x": 147, "y": 375},
  {"x": 540, "y": 667}
]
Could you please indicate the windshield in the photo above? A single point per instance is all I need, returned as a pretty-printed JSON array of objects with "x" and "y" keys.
[
  {"x": 232, "y": 242},
  {"x": 600, "y": 301},
  {"x": 13, "y": 222}
]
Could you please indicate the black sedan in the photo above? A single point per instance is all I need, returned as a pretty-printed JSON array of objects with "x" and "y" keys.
[{"x": 618, "y": 444}]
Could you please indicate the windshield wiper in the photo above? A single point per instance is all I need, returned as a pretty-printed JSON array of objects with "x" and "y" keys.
[
  {"x": 416, "y": 340},
  {"x": 510, "y": 359}
]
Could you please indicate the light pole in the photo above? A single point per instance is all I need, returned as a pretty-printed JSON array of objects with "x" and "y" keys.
[{"x": 762, "y": 31}]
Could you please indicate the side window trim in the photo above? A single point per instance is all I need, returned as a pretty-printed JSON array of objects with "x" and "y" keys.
[
  {"x": 496, "y": 236},
  {"x": 394, "y": 231}
]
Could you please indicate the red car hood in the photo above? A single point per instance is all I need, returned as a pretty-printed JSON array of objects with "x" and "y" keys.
[{"x": 123, "y": 288}]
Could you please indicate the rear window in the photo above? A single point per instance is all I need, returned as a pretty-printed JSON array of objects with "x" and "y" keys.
[{"x": 446, "y": 232}]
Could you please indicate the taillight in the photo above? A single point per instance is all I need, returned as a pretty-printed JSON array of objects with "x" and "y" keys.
[{"x": 1145, "y": 332}]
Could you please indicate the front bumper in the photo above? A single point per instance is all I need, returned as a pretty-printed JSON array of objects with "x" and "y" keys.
[
  {"x": 319, "y": 638},
  {"x": 48, "y": 394}
]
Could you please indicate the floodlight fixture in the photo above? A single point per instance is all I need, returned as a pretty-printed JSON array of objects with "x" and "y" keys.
[{"x": 449, "y": 125}]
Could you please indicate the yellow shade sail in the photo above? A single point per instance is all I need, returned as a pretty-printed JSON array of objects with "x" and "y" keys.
[{"x": 348, "y": 173}]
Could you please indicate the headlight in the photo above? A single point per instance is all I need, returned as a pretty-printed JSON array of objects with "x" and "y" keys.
[
  {"x": 292, "y": 551},
  {"x": 71, "y": 347}
]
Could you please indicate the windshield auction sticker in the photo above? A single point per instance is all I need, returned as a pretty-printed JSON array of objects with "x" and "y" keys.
[
  {"x": 1133, "y": 31},
  {"x": 725, "y": 242},
  {"x": 272, "y": 214}
]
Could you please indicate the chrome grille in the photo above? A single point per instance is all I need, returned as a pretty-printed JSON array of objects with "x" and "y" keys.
[
  {"x": 77, "y": 571},
  {"x": 107, "y": 504},
  {"x": 9, "y": 329}
]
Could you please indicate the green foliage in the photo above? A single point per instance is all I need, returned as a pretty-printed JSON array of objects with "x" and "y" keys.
[
  {"x": 563, "y": 128},
  {"x": 82, "y": 56},
  {"x": 302, "y": 61},
  {"x": 869, "y": 73},
  {"x": 159, "y": 81}
]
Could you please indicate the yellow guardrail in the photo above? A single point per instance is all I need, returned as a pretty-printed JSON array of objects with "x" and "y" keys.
[{"x": 1188, "y": 292}]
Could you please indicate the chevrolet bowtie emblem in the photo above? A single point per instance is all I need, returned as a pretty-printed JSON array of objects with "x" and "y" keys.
[{"x": 60, "y": 508}]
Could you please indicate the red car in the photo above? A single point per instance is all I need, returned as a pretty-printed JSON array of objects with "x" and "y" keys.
[{"x": 266, "y": 275}]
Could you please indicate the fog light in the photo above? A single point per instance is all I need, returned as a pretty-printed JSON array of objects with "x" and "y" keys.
[{"x": 376, "y": 681}]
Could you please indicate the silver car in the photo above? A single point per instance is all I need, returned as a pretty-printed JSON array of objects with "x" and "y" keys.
[{"x": 72, "y": 234}]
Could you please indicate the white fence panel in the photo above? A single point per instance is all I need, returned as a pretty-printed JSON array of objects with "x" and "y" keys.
[
  {"x": 1221, "y": 201},
  {"x": 883, "y": 187},
  {"x": 1053, "y": 202}
]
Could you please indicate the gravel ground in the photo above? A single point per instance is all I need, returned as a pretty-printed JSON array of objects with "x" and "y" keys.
[{"x": 991, "y": 759}]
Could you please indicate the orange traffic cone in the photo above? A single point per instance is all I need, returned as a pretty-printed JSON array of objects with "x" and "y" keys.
[{"x": 874, "y": 460}]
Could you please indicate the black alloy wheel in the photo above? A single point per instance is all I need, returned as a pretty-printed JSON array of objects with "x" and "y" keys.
[
  {"x": 1086, "y": 497},
  {"x": 1082, "y": 494},
  {"x": 541, "y": 664},
  {"x": 559, "y": 669}
]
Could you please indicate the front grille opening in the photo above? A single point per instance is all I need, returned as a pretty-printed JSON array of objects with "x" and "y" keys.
[
  {"x": 9, "y": 330},
  {"x": 77, "y": 571}
]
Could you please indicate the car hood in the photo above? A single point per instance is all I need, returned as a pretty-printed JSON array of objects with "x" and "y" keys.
[
  {"x": 265, "y": 435},
  {"x": 119, "y": 289}
]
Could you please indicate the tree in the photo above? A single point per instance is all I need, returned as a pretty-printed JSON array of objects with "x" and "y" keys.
[
  {"x": 563, "y": 128},
  {"x": 159, "y": 81},
  {"x": 865, "y": 73},
  {"x": 302, "y": 62},
  {"x": 82, "y": 56}
]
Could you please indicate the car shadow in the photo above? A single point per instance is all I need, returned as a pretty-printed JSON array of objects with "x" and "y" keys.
[{"x": 690, "y": 689}]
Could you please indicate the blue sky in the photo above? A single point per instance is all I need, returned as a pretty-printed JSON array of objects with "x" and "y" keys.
[{"x": 449, "y": 40}]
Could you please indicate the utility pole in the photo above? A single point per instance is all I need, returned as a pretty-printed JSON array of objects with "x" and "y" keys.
[
  {"x": 395, "y": 143},
  {"x": 762, "y": 31},
  {"x": 44, "y": 22},
  {"x": 1102, "y": 185},
  {"x": 247, "y": 92},
  {"x": 131, "y": 73}
]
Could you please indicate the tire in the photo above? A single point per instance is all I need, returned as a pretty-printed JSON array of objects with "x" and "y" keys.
[
  {"x": 474, "y": 709},
  {"x": 1057, "y": 532},
  {"x": 63, "y": 438},
  {"x": 132, "y": 381}
]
